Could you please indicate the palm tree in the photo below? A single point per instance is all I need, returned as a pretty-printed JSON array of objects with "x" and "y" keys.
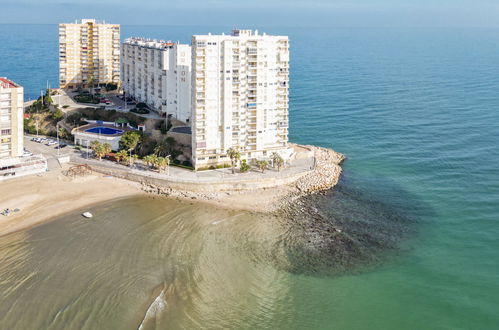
[
  {"x": 234, "y": 156},
  {"x": 162, "y": 149},
  {"x": 262, "y": 165},
  {"x": 97, "y": 148},
  {"x": 121, "y": 155},
  {"x": 107, "y": 148},
  {"x": 163, "y": 163},
  {"x": 150, "y": 160},
  {"x": 277, "y": 160},
  {"x": 132, "y": 159}
]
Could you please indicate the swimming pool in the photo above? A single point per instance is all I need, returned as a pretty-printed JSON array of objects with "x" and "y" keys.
[{"x": 104, "y": 130}]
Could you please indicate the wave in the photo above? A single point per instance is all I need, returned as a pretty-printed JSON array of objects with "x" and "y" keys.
[{"x": 155, "y": 308}]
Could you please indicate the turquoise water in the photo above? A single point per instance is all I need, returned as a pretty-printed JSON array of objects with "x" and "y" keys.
[{"x": 417, "y": 113}]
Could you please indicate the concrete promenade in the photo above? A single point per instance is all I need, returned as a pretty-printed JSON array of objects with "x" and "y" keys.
[{"x": 180, "y": 178}]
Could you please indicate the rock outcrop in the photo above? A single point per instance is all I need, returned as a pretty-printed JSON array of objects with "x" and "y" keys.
[{"x": 326, "y": 173}]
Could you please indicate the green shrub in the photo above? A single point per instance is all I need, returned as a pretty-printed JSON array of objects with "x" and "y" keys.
[
  {"x": 57, "y": 115},
  {"x": 245, "y": 167},
  {"x": 111, "y": 87},
  {"x": 184, "y": 166},
  {"x": 141, "y": 105},
  {"x": 86, "y": 98},
  {"x": 141, "y": 111}
]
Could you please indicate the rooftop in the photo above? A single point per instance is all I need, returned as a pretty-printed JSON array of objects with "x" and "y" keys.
[
  {"x": 6, "y": 83},
  {"x": 88, "y": 20},
  {"x": 236, "y": 33},
  {"x": 149, "y": 43}
]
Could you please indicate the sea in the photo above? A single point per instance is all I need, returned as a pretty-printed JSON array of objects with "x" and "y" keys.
[{"x": 416, "y": 111}]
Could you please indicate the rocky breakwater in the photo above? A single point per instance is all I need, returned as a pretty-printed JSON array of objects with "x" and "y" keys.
[
  {"x": 326, "y": 172},
  {"x": 323, "y": 176}
]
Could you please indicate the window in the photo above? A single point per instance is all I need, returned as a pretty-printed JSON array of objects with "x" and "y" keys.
[{"x": 6, "y": 132}]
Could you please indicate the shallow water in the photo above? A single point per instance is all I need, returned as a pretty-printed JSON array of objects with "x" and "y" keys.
[
  {"x": 415, "y": 111},
  {"x": 155, "y": 262}
]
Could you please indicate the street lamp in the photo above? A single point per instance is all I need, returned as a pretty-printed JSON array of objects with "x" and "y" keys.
[{"x": 57, "y": 132}]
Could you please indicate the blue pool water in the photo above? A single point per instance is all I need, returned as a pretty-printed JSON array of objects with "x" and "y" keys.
[{"x": 104, "y": 130}]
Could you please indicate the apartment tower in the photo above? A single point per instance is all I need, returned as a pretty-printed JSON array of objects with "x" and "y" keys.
[
  {"x": 89, "y": 53},
  {"x": 239, "y": 96},
  {"x": 11, "y": 119},
  {"x": 158, "y": 73}
]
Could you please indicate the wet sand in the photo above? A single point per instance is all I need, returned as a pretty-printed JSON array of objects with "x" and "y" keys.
[{"x": 49, "y": 195}]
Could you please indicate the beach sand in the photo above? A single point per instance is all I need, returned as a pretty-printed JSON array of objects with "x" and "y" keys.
[
  {"x": 51, "y": 194},
  {"x": 46, "y": 196}
]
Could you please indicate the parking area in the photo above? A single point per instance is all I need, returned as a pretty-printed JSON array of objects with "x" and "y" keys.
[{"x": 48, "y": 147}]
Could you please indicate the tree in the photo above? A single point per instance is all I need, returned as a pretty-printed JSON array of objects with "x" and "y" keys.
[
  {"x": 107, "y": 148},
  {"x": 63, "y": 133},
  {"x": 277, "y": 160},
  {"x": 262, "y": 165},
  {"x": 234, "y": 156},
  {"x": 47, "y": 100},
  {"x": 245, "y": 167},
  {"x": 162, "y": 149},
  {"x": 130, "y": 140},
  {"x": 91, "y": 82},
  {"x": 121, "y": 155},
  {"x": 132, "y": 159},
  {"x": 163, "y": 163},
  {"x": 171, "y": 142},
  {"x": 98, "y": 148},
  {"x": 58, "y": 114},
  {"x": 150, "y": 160}
]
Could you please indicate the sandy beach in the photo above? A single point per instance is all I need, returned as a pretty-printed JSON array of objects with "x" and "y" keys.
[{"x": 46, "y": 196}]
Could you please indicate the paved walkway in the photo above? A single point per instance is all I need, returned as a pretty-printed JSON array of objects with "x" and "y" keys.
[{"x": 176, "y": 174}]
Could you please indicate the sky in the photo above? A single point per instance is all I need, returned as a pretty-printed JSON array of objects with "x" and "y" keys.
[{"x": 319, "y": 13}]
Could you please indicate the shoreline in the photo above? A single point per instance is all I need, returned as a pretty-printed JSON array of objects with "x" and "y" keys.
[{"x": 45, "y": 197}]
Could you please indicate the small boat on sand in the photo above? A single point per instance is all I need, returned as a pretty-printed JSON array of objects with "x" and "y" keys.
[{"x": 87, "y": 215}]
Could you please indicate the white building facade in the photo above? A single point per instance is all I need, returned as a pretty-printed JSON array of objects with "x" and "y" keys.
[
  {"x": 13, "y": 163},
  {"x": 11, "y": 119},
  {"x": 89, "y": 53},
  {"x": 239, "y": 96},
  {"x": 158, "y": 73}
]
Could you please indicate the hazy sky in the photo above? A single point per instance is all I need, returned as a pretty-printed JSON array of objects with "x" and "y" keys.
[{"x": 348, "y": 13}]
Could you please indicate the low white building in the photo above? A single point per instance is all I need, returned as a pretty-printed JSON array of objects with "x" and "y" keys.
[
  {"x": 103, "y": 132},
  {"x": 15, "y": 167},
  {"x": 158, "y": 73}
]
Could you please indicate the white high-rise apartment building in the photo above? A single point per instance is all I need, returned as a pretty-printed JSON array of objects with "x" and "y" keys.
[
  {"x": 11, "y": 119},
  {"x": 158, "y": 73},
  {"x": 240, "y": 96},
  {"x": 89, "y": 53}
]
